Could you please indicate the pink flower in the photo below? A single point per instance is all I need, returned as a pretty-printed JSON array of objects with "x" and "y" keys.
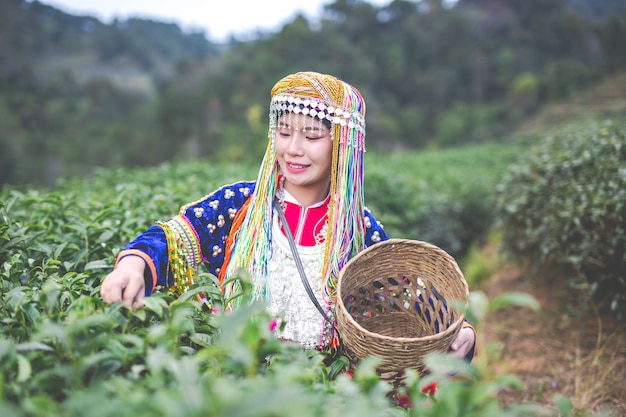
[{"x": 273, "y": 325}]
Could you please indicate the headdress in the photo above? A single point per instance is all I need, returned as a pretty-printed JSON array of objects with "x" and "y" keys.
[{"x": 331, "y": 101}]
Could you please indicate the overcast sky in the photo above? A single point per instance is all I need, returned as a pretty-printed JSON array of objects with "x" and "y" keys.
[{"x": 217, "y": 18}]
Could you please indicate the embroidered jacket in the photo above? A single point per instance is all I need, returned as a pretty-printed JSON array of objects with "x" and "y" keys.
[{"x": 202, "y": 228}]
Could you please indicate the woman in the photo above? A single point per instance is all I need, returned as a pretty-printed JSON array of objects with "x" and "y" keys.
[{"x": 313, "y": 167}]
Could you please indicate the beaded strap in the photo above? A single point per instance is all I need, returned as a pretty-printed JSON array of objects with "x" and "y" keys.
[{"x": 183, "y": 254}]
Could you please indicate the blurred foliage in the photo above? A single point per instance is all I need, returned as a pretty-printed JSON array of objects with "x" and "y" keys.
[
  {"x": 445, "y": 197},
  {"x": 77, "y": 94},
  {"x": 564, "y": 203}
]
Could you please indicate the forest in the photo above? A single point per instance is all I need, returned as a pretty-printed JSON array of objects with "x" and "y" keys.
[{"x": 77, "y": 94}]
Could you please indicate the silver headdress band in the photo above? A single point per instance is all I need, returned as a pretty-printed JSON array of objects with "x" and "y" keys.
[{"x": 285, "y": 103}]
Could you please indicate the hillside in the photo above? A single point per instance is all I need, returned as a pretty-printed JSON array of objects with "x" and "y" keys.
[
  {"x": 134, "y": 53},
  {"x": 567, "y": 348},
  {"x": 607, "y": 100},
  {"x": 77, "y": 94}
]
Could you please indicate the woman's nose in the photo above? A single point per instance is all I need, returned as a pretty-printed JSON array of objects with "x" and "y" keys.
[{"x": 295, "y": 144}]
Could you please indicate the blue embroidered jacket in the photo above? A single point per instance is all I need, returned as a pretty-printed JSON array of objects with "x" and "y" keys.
[{"x": 204, "y": 226}]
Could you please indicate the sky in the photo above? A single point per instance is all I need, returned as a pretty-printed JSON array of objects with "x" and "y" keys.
[{"x": 218, "y": 19}]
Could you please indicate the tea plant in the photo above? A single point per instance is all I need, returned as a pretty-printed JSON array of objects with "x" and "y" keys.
[
  {"x": 444, "y": 197},
  {"x": 174, "y": 356},
  {"x": 64, "y": 353},
  {"x": 565, "y": 203}
]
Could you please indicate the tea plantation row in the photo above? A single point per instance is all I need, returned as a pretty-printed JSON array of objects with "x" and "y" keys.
[{"x": 64, "y": 353}]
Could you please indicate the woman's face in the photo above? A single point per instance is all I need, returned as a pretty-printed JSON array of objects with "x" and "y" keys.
[{"x": 304, "y": 152}]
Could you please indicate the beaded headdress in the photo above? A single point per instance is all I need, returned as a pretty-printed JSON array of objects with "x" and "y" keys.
[{"x": 340, "y": 106}]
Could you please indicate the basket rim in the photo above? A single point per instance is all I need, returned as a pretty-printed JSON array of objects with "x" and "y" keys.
[{"x": 451, "y": 329}]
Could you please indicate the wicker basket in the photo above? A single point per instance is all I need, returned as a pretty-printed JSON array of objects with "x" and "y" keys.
[{"x": 394, "y": 301}]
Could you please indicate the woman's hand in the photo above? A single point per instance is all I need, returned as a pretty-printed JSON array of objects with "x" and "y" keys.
[
  {"x": 125, "y": 283},
  {"x": 464, "y": 342}
]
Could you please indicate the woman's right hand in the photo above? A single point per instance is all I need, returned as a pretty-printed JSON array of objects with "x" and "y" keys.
[{"x": 125, "y": 283}]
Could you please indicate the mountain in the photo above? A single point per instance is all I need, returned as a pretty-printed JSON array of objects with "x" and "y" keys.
[{"x": 43, "y": 40}]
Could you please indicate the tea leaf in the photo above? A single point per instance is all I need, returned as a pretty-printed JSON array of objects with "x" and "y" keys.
[
  {"x": 517, "y": 299},
  {"x": 24, "y": 370}
]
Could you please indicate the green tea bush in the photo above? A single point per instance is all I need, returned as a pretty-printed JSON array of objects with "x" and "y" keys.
[
  {"x": 445, "y": 197},
  {"x": 565, "y": 203},
  {"x": 64, "y": 353}
]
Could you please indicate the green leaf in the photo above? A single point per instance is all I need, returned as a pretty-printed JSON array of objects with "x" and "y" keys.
[
  {"x": 157, "y": 305},
  {"x": 101, "y": 364},
  {"x": 564, "y": 405},
  {"x": 339, "y": 365},
  {"x": 99, "y": 264},
  {"x": 59, "y": 250},
  {"x": 90, "y": 324},
  {"x": 33, "y": 346},
  {"x": 477, "y": 308},
  {"x": 194, "y": 292},
  {"x": 105, "y": 236},
  {"x": 201, "y": 339},
  {"x": 24, "y": 369},
  {"x": 439, "y": 363},
  {"x": 509, "y": 381},
  {"x": 518, "y": 299}
]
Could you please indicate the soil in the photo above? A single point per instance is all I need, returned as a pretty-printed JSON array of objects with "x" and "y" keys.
[{"x": 575, "y": 352}]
